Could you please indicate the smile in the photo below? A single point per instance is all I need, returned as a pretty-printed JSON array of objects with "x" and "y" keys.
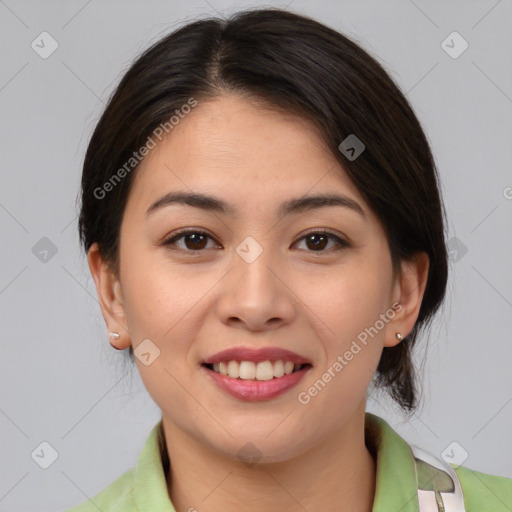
[
  {"x": 262, "y": 371},
  {"x": 244, "y": 381}
]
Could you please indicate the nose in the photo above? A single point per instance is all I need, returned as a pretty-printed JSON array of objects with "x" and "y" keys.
[{"x": 256, "y": 295}]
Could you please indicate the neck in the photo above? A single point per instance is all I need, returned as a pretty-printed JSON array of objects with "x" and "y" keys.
[{"x": 337, "y": 474}]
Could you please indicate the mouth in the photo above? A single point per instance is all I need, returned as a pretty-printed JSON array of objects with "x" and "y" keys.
[
  {"x": 250, "y": 381},
  {"x": 254, "y": 374},
  {"x": 256, "y": 371}
]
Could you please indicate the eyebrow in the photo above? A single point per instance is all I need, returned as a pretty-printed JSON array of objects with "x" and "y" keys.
[{"x": 290, "y": 207}]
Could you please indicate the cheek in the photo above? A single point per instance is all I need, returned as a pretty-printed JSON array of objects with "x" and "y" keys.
[
  {"x": 159, "y": 301},
  {"x": 348, "y": 309},
  {"x": 350, "y": 299},
  {"x": 351, "y": 347},
  {"x": 157, "y": 295}
]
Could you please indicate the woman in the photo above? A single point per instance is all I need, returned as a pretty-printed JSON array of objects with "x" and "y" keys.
[{"x": 263, "y": 222}]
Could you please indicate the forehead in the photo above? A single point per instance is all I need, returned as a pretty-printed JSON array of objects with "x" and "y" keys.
[{"x": 244, "y": 152}]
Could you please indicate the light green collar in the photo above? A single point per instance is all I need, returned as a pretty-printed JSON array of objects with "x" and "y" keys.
[
  {"x": 396, "y": 487},
  {"x": 395, "y": 491}
]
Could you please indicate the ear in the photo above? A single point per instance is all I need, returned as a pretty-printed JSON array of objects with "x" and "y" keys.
[
  {"x": 408, "y": 291},
  {"x": 108, "y": 288}
]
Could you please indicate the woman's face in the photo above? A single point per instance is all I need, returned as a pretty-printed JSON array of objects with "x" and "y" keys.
[{"x": 249, "y": 277}]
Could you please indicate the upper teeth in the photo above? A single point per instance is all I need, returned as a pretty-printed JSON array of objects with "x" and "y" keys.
[{"x": 247, "y": 370}]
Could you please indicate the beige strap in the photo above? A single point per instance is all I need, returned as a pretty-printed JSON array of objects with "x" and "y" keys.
[{"x": 439, "y": 487}]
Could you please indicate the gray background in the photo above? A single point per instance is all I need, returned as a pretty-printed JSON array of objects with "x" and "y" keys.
[{"x": 60, "y": 380}]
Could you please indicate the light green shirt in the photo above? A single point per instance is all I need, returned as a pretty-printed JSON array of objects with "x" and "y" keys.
[{"x": 144, "y": 488}]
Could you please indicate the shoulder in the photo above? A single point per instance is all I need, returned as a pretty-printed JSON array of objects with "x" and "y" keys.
[
  {"x": 484, "y": 492},
  {"x": 117, "y": 497}
]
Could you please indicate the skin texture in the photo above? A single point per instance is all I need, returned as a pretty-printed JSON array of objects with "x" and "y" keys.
[{"x": 311, "y": 301}]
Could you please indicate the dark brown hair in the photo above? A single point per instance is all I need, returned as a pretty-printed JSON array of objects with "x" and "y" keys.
[{"x": 299, "y": 65}]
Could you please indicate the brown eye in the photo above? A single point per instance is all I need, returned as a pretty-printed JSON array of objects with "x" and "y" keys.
[
  {"x": 317, "y": 241},
  {"x": 192, "y": 240},
  {"x": 196, "y": 241}
]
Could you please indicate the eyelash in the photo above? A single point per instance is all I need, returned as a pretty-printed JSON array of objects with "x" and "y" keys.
[{"x": 342, "y": 244}]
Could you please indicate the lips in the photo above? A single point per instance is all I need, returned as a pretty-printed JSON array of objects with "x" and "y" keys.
[
  {"x": 256, "y": 374},
  {"x": 254, "y": 390},
  {"x": 256, "y": 355}
]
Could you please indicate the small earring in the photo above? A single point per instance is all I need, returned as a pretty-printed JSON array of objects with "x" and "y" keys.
[
  {"x": 399, "y": 336},
  {"x": 114, "y": 336}
]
